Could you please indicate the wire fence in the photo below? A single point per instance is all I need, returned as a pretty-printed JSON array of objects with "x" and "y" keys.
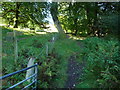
[{"x": 48, "y": 47}]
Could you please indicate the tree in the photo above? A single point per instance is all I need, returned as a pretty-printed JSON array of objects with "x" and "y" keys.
[
  {"x": 87, "y": 17},
  {"x": 36, "y": 12},
  {"x": 54, "y": 13},
  {"x": 8, "y": 12},
  {"x": 16, "y": 15},
  {"x": 20, "y": 13},
  {"x": 72, "y": 14},
  {"x": 76, "y": 17}
]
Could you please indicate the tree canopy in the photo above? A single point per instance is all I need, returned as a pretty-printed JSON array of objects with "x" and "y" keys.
[{"x": 93, "y": 18}]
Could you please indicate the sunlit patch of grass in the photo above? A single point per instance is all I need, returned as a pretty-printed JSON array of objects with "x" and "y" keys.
[
  {"x": 2, "y": 22},
  {"x": 52, "y": 28},
  {"x": 77, "y": 37},
  {"x": 18, "y": 29},
  {"x": 40, "y": 32},
  {"x": 28, "y": 32}
]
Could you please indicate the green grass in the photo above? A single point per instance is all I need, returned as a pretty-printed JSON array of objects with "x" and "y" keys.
[{"x": 64, "y": 48}]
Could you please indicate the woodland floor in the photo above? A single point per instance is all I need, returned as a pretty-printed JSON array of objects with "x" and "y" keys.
[{"x": 75, "y": 71}]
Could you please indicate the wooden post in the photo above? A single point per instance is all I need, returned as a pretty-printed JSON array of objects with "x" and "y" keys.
[
  {"x": 15, "y": 47},
  {"x": 1, "y": 68},
  {"x": 47, "y": 49}
]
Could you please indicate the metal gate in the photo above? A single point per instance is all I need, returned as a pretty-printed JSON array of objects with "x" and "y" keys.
[{"x": 34, "y": 76}]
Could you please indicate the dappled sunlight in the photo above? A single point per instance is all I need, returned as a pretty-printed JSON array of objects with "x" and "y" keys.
[
  {"x": 2, "y": 24},
  {"x": 27, "y": 31},
  {"x": 51, "y": 28},
  {"x": 40, "y": 32},
  {"x": 19, "y": 29},
  {"x": 77, "y": 38}
]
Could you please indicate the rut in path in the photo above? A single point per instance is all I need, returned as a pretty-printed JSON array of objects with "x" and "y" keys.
[{"x": 75, "y": 71}]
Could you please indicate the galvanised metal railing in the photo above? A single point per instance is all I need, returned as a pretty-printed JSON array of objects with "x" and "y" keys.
[{"x": 34, "y": 76}]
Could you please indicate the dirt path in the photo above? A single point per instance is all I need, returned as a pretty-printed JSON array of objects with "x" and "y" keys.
[{"x": 75, "y": 71}]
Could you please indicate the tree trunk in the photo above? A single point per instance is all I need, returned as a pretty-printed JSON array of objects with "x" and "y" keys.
[
  {"x": 75, "y": 24},
  {"x": 88, "y": 7},
  {"x": 95, "y": 13},
  {"x": 53, "y": 11},
  {"x": 16, "y": 15},
  {"x": 95, "y": 19}
]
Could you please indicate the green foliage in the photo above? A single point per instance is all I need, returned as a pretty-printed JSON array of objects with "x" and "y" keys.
[
  {"x": 75, "y": 17},
  {"x": 102, "y": 63},
  {"x": 89, "y": 18},
  {"x": 52, "y": 68},
  {"x": 110, "y": 23},
  {"x": 72, "y": 16}
]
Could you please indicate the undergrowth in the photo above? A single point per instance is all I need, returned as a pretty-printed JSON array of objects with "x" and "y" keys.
[{"x": 102, "y": 69}]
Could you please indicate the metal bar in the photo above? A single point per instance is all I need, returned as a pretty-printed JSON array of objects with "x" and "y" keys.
[
  {"x": 8, "y": 75},
  {"x": 29, "y": 84},
  {"x": 21, "y": 82},
  {"x": 36, "y": 71},
  {"x": 34, "y": 88}
]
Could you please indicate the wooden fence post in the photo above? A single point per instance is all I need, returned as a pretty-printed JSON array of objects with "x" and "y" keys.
[
  {"x": 15, "y": 47},
  {"x": 46, "y": 49}
]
